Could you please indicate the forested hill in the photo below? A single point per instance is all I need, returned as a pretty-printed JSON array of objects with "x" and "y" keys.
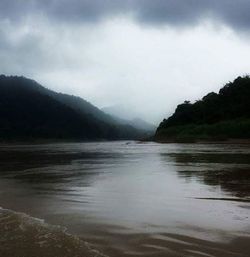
[
  {"x": 29, "y": 111},
  {"x": 216, "y": 116}
]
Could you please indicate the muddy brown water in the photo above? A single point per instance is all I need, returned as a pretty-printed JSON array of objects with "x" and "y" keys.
[{"x": 122, "y": 199}]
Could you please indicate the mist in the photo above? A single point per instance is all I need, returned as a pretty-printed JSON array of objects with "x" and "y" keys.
[{"x": 118, "y": 57}]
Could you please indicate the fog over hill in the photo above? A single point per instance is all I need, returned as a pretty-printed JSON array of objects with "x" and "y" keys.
[
  {"x": 148, "y": 55},
  {"x": 30, "y": 111},
  {"x": 130, "y": 116}
]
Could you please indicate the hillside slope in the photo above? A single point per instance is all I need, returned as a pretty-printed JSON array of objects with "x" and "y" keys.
[
  {"x": 217, "y": 116},
  {"x": 30, "y": 111}
]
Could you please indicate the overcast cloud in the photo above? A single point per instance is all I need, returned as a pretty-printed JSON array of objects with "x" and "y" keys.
[
  {"x": 148, "y": 55},
  {"x": 175, "y": 12}
]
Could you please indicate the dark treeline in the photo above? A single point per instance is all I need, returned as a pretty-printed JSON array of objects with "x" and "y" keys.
[
  {"x": 222, "y": 115},
  {"x": 29, "y": 111}
]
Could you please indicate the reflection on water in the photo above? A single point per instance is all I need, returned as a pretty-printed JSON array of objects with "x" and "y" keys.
[
  {"x": 229, "y": 171},
  {"x": 129, "y": 199}
]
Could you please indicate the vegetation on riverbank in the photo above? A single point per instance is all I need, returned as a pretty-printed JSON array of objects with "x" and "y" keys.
[{"x": 216, "y": 117}]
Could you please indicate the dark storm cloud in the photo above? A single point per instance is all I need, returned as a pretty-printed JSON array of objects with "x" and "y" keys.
[{"x": 234, "y": 13}]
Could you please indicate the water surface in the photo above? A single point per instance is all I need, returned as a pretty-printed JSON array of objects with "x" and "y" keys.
[{"x": 124, "y": 199}]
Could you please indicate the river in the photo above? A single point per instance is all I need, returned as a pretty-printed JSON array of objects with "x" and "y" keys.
[{"x": 124, "y": 198}]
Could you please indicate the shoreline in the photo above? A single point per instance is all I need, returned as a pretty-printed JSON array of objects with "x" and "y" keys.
[
  {"x": 31, "y": 232},
  {"x": 200, "y": 141},
  {"x": 141, "y": 141}
]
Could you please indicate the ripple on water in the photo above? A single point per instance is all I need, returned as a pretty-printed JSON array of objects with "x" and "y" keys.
[{"x": 23, "y": 235}]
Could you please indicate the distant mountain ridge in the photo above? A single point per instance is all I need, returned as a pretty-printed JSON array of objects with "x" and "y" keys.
[
  {"x": 30, "y": 111},
  {"x": 142, "y": 124},
  {"x": 217, "y": 116},
  {"x": 126, "y": 116}
]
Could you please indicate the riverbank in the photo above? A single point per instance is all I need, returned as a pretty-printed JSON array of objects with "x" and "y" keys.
[{"x": 201, "y": 141}]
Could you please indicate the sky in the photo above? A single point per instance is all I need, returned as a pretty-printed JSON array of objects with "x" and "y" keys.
[{"x": 145, "y": 56}]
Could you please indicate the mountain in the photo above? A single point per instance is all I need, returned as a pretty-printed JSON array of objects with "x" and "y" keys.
[
  {"x": 124, "y": 115},
  {"x": 141, "y": 124},
  {"x": 121, "y": 111},
  {"x": 216, "y": 117},
  {"x": 29, "y": 111}
]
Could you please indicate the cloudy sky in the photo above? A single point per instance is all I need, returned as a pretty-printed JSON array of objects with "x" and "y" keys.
[{"x": 146, "y": 55}]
